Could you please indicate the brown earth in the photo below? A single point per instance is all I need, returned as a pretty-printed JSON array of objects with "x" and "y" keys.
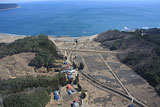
[
  {"x": 16, "y": 65},
  {"x": 9, "y": 38}
]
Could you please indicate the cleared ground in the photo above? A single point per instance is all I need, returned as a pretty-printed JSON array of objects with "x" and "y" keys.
[
  {"x": 98, "y": 70},
  {"x": 101, "y": 98},
  {"x": 9, "y": 38},
  {"x": 136, "y": 85},
  {"x": 16, "y": 65}
]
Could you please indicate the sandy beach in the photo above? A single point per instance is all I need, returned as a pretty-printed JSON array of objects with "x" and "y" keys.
[{"x": 7, "y": 38}]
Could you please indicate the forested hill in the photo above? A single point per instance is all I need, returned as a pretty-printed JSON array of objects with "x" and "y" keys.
[
  {"x": 31, "y": 90},
  {"x": 144, "y": 54},
  {"x": 45, "y": 49},
  {"x": 8, "y": 6}
]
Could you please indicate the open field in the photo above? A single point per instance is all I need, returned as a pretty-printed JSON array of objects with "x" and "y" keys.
[
  {"x": 100, "y": 97},
  {"x": 98, "y": 70},
  {"x": 16, "y": 65}
]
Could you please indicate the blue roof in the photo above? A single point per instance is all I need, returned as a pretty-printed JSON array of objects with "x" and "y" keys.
[
  {"x": 67, "y": 71},
  {"x": 69, "y": 92},
  {"x": 69, "y": 76},
  {"x": 56, "y": 97},
  {"x": 55, "y": 92},
  {"x": 131, "y": 105},
  {"x": 65, "y": 62}
]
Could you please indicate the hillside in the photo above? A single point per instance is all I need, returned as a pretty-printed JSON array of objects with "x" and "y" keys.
[
  {"x": 143, "y": 51},
  {"x": 20, "y": 85},
  {"x": 17, "y": 66},
  {"x": 8, "y": 6},
  {"x": 46, "y": 51},
  {"x": 30, "y": 91}
]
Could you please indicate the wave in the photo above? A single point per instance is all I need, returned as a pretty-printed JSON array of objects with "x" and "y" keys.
[
  {"x": 33, "y": 35},
  {"x": 13, "y": 34}
]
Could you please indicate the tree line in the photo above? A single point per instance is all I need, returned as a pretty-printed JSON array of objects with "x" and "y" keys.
[
  {"x": 146, "y": 62},
  {"x": 36, "y": 99}
]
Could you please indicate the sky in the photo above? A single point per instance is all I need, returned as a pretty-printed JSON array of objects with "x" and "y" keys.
[{"x": 13, "y": 1}]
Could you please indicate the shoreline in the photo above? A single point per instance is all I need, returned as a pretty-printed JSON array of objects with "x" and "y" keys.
[
  {"x": 13, "y": 34},
  {"x": 55, "y": 36},
  {"x": 7, "y": 38}
]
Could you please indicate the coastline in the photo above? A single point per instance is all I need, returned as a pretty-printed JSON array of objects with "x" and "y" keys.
[
  {"x": 13, "y": 34},
  {"x": 7, "y": 38},
  {"x": 11, "y": 8}
]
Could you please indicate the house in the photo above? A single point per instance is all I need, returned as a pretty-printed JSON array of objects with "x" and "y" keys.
[
  {"x": 131, "y": 105},
  {"x": 69, "y": 87},
  {"x": 56, "y": 97},
  {"x": 70, "y": 92}
]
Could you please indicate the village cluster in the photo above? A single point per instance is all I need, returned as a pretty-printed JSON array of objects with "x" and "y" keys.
[{"x": 73, "y": 91}]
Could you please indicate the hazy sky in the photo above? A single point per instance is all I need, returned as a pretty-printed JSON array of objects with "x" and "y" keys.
[{"x": 3, "y": 1}]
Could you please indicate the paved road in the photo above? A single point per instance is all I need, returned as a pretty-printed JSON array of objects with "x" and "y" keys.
[
  {"x": 95, "y": 51},
  {"x": 98, "y": 51}
]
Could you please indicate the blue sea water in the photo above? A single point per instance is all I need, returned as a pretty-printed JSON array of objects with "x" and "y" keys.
[{"x": 78, "y": 18}]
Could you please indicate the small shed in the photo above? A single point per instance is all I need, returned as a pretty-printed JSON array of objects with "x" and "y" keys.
[
  {"x": 69, "y": 64},
  {"x": 72, "y": 71},
  {"x": 56, "y": 97},
  {"x": 65, "y": 62},
  {"x": 75, "y": 104},
  {"x": 55, "y": 92},
  {"x": 76, "y": 100},
  {"x": 69, "y": 73},
  {"x": 69, "y": 87},
  {"x": 131, "y": 105},
  {"x": 69, "y": 76},
  {"x": 70, "y": 92}
]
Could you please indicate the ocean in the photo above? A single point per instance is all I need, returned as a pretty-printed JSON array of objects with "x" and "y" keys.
[{"x": 78, "y": 18}]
